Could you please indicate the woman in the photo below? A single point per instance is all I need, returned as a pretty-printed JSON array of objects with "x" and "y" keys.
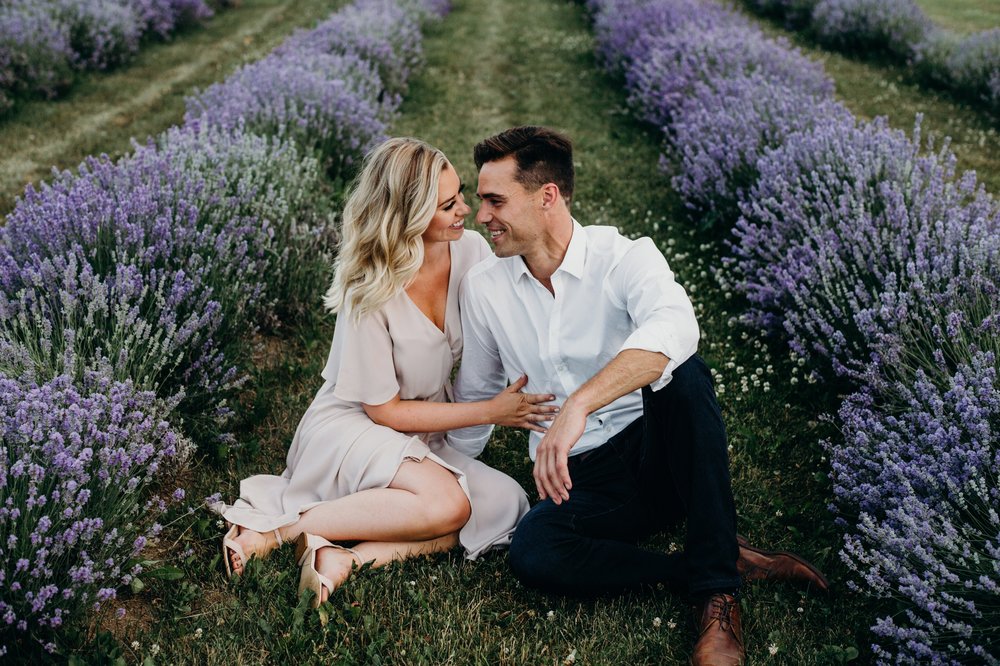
[{"x": 355, "y": 470}]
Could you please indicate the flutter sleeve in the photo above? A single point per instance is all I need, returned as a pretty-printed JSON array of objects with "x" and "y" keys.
[{"x": 366, "y": 372}]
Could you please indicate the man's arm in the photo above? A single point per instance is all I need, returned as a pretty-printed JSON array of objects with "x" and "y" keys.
[
  {"x": 481, "y": 374},
  {"x": 665, "y": 336},
  {"x": 629, "y": 370}
]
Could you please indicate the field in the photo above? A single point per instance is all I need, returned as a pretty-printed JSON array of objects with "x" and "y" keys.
[{"x": 489, "y": 65}]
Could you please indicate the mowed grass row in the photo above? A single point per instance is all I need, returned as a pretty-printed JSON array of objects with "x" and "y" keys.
[
  {"x": 103, "y": 111},
  {"x": 492, "y": 65},
  {"x": 963, "y": 16}
]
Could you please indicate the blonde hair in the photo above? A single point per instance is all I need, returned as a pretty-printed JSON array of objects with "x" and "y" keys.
[{"x": 389, "y": 206}]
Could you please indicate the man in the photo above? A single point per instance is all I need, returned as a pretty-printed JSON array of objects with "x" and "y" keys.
[{"x": 638, "y": 444}]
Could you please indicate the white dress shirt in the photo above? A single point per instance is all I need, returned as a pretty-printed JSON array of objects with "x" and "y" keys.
[{"x": 611, "y": 294}]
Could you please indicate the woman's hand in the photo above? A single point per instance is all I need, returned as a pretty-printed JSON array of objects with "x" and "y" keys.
[{"x": 510, "y": 407}]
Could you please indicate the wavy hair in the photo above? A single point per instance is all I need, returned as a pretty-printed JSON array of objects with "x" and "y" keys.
[{"x": 389, "y": 206}]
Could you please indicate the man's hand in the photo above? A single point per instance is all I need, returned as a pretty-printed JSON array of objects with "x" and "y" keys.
[{"x": 552, "y": 457}]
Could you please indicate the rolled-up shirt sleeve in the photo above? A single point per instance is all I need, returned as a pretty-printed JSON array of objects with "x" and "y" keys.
[
  {"x": 663, "y": 314},
  {"x": 480, "y": 375}
]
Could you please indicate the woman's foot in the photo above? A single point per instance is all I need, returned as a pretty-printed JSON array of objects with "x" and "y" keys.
[
  {"x": 251, "y": 544},
  {"x": 336, "y": 564}
]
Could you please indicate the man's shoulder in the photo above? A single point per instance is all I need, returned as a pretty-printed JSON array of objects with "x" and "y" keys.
[
  {"x": 609, "y": 242},
  {"x": 489, "y": 267},
  {"x": 486, "y": 277}
]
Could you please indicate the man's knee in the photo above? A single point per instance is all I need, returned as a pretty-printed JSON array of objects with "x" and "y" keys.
[{"x": 538, "y": 550}]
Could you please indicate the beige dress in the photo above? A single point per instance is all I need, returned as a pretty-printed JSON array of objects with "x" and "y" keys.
[{"x": 337, "y": 450}]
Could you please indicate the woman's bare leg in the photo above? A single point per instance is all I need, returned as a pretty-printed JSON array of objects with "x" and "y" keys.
[
  {"x": 424, "y": 501},
  {"x": 337, "y": 564}
]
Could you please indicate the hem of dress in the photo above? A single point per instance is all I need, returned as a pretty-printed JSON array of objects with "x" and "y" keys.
[{"x": 242, "y": 513}]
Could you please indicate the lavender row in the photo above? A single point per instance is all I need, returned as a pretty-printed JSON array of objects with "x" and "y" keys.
[
  {"x": 43, "y": 43},
  {"x": 128, "y": 290},
  {"x": 899, "y": 29},
  {"x": 866, "y": 250}
]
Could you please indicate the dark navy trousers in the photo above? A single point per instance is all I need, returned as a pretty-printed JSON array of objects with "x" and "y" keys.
[{"x": 668, "y": 467}]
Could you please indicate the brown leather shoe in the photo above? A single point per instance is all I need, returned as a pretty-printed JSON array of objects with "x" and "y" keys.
[
  {"x": 720, "y": 632},
  {"x": 757, "y": 564}
]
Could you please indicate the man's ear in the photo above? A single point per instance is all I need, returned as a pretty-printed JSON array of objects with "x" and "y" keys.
[{"x": 550, "y": 195}]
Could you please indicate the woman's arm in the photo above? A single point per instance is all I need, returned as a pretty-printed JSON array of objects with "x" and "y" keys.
[{"x": 510, "y": 407}]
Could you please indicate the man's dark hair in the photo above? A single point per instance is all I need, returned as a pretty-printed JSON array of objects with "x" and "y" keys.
[{"x": 543, "y": 155}]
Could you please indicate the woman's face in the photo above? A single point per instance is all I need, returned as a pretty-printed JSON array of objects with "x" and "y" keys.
[{"x": 448, "y": 222}]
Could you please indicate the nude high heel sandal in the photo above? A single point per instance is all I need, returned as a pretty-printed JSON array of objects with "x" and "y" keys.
[
  {"x": 306, "y": 547},
  {"x": 229, "y": 545}
]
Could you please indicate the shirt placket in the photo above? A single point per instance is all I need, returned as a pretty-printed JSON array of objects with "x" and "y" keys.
[{"x": 556, "y": 362}]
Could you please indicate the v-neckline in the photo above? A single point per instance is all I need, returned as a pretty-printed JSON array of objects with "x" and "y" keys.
[{"x": 447, "y": 295}]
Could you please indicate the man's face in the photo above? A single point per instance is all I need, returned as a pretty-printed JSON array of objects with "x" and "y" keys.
[{"x": 507, "y": 210}]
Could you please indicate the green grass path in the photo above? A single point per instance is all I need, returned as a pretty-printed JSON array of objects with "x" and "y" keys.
[
  {"x": 963, "y": 16},
  {"x": 104, "y": 110},
  {"x": 492, "y": 64}
]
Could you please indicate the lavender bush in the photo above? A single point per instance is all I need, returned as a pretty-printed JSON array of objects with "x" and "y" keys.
[
  {"x": 382, "y": 32},
  {"x": 666, "y": 76},
  {"x": 127, "y": 291},
  {"x": 325, "y": 102},
  {"x": 916, "y": 488},
  {"x": 892, "y": 27},
  {"x": 795, "y": 13},
  {"x": 102, "y": 33},
  {"x": 972, "y": 67},
  {"x": 35, "y": 52},
  {"x": 724, "y": 128},
  {"x": 163, "y": 17},
  {"x": 882, "y": 265},
  {"x": 625, "y": 30},
  {"x": 43, "y": 42},
  {"x": 78, "y": 464},
  {"x": 850, "y": 232},
  {"x": 156, "y": 267}
]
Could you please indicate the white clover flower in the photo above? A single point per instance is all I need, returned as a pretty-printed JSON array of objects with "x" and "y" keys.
[
  {"x": 154, "y": 649},
  {"x": 772, "y": 649},
  {"x": 671, "y": 624},
  {"x": 135, "y": 645},
  {"x": 551, "y": 615},
  {"x": 657, "y": 622},
  {"x": 800, "y": 609},
  {"x": 197, "y": 633},
  {"x": 570, "y": 658}
]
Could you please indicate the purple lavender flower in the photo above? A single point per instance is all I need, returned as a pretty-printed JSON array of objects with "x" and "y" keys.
[
  {"x": 77, "y": 566},
  {"x": 850, "y": 233},
  {"x": 893, "y": 27},
  {"x": 666, "y": 77},
  {"x": 323, "y": 101},
  {"x": 382, "y": 32},
  {"x": 915, "y": 483},
  {"x": 724, "y": 128},
  {"x": 35, "y": 52}
]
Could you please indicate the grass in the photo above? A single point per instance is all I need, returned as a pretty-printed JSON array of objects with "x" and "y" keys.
[
  {"x": 531, "y": 62},
  {"x": 103, "y": 111},
  {"x": 963, "y": 16}
]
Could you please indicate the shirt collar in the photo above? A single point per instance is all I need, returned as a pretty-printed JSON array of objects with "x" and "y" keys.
[{"x": 572, "y": 262}]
